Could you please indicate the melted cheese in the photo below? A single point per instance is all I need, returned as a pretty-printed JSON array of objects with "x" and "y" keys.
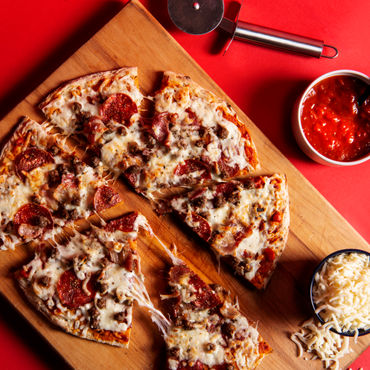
[
  {"x": 341, "y": 292},
  {"x": 115, "y": 150},
  {"x": 13, "y": 194},
  {"x": 255, "y": 206},
  {"x": 58, "y": 106},
  {"x": 193, "y": 343}
]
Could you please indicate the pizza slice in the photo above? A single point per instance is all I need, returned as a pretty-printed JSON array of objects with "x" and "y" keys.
[
  {"x": 103, "y": 108},
  {"x": 208, "y": 330},
  {"x": 198, "y": 137},
  {"x": 42, "y": 187},
  {"x": 87, "y": 284},
  {"x": 244, "y": 221}
]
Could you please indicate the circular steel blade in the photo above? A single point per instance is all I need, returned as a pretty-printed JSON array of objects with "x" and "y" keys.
[{"x": 196, "y": 16}]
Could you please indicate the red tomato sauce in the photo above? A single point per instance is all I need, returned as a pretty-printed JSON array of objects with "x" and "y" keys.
[{"x": 333, "y": 121}]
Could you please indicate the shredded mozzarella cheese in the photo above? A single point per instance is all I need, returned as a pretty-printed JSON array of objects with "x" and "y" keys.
[
  {"x": 324, "y": 344},
  {"x": 341, "y": 292}
]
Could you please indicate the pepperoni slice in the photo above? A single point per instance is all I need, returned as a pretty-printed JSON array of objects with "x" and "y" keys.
[
  {"x": 125, "y": 223},
  {"x": 192, "y": 165},
  {"x": 71, "y": 292},
  {"x": 93, "y": 129},
  {"x": 205, "y": 296},
  {"x": 30, "y": 159},
  {"x": 132, "y": 175},
  {"x": 225, "y": 188},
  {"x": 160, "y": 127},
  {"x": 197, "y": 193},
  {"x": 105, "y": 197},
  {"x": 225, "y": 169},
  {"x": 118, "y": 107},
  {"x": 201, "y": 226},
  {"x": 32, "y": 220}
]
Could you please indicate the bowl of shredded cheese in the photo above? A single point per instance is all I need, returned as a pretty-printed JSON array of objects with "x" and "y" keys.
[{"x": 340, "y": 292}]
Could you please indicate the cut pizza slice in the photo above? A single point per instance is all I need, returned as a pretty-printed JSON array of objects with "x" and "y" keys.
[
  {"x": 87, "y": 285},
  {"x": 208, "y": 330},
  {"x": 42, "y": 187},
  {"x": 104, "y": 108},
  {"x": 198, "y": 137},
  {"x": 245, "y": 222}
]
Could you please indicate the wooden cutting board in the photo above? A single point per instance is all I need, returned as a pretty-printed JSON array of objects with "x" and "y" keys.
[{"x": 135, "y": 38}]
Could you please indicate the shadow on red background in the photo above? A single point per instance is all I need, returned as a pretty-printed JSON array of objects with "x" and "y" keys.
[{"x": 61, "y": 53}]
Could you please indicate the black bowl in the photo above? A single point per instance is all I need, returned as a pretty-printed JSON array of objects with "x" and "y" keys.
[{"x": 317, "y": 269}]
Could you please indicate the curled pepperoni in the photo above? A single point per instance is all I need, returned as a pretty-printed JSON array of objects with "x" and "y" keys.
[
  {"x": 160, "y": 127},
  {"x": 192, "y": 165},
  {"x": 205, "y": 296},
  {"x": 71, "y": 292},
  {"x": 197, "y": 193},
  {"x": 125, "y": 223},
  {"x": 32, "y": 220},
  {"x": 105, "y": 197},
  {"x": 132, "y": 175},
  {"x": 225, "y": 188},
  {"x": 93, "y": 129},
  {"x": 201, "y": 226},
  {"x": 226, "y": 169},
  {"x": 118, "y": 107},
  {"x": 30, "y": 159}
]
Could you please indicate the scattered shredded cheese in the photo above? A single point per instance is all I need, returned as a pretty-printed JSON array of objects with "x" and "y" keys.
[
  {"x": 324, "y": 344},
  {"x": 341, "y": 293}
]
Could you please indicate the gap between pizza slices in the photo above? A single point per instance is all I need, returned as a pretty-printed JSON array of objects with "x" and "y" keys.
[{"x": 192, "y": 139}]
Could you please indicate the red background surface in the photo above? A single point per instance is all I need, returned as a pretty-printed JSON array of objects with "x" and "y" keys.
[{"x": 37, "y": 36}]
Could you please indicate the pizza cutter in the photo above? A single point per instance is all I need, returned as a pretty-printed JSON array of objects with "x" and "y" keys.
[{"x": 198, "y": 17}]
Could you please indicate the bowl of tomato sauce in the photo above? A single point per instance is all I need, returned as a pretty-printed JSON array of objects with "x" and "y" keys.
[{"x": 331, "y": 121}]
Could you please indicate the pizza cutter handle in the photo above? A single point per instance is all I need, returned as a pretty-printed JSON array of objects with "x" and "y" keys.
[{"x": 282, "y": 40}]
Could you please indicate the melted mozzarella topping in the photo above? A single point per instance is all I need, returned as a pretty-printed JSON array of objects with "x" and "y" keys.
[
  {"x": 193, "y": 346},
  {"x": 115, "y": 150},
  {"x": 82, "y": 91},
  {"x": 13, "y": 194}
]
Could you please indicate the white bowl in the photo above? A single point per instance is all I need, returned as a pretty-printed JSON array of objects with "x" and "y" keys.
[{"x": 302, "y": 141}]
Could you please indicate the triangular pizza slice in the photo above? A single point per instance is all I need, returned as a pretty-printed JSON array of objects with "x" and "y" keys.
[
  {"x": 245, "y": 222},
  {"x": 43, "y": 187},
  {"x": 208, "y": 331},
  {"x": 87, "y": 284},
  {"x": 200, "y": 138},
  {"x": 104, "y": 108}
]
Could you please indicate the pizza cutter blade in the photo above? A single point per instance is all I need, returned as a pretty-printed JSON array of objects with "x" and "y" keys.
[
  {"x": 196, "y": 17},
  {"x": 202, "y": 16}
]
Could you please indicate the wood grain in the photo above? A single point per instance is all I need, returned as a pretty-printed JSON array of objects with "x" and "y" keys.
[{"x": 135, "y": 38}]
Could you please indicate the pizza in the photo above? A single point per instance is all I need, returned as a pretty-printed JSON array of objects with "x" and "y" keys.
[
  {"x": 200, "y": 135},
  {"x": 87, "y": 284},
  {"x": 244, "y": 221},
  {"x": 104, "y": 109},
  {"x": 208, "y": 330},
  {"x": 43, "y": 187},
  {"x": 192, "y": 137}
]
